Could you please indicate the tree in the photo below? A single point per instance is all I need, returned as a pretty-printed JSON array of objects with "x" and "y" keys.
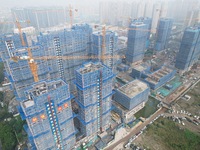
[
  {"x": 1, "y": 96},
  {"x": 7, "y": 136},
  {"x": 1, "y": 72}
]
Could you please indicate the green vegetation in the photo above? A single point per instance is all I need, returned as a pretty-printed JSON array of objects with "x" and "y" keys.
[
  {"x": 1, "y": 96},
  {"x": 1, "y": 72},
  {"x": 149, "y": 108},
  {"x": 167, "y": 133},
  {"x": 7, "y": 136},
  {"x": 10, "y": 131},
  {"x": 4, "y": 114},
  {"x": 192, "y": 105},
  {"x": 11, "y": 128}
]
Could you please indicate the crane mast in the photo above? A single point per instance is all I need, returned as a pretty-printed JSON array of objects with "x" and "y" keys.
[{"x": 32, "y": 64}]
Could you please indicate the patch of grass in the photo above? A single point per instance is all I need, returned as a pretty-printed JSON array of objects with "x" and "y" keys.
[
  {"x": 172, "y": 137},
  {"x": 149, "y": 108}
]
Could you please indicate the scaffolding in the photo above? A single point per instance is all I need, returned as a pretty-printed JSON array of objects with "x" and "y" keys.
[
  {"x": 47, "y": 110},
  {"x": 72, "y": 43},
  {"x": 94, "y": 86},
  {"x": 111, "y": 49}
]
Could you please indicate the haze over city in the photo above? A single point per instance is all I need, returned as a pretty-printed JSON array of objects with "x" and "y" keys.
[{"x": 99, "y": 74}]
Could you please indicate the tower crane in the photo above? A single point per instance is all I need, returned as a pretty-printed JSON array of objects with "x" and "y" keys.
[
  {"x": 71, "y": 14},
  {"x": 103, "y": 43},
  {"x": 31, "y": 62}
]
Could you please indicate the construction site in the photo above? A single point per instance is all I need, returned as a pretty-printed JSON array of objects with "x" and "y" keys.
[
  {"x": 129, "y": 99},
  {"x": 98, "y": 85},
  {"x": 154, "y": 79}
]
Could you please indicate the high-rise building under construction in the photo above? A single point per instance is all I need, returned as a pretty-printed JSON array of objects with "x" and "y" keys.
[
  {"x": 94, "y": 87},
  {"x": 137, "y": 37},
  {"x": 110, "y": 49},
  {"x": 48, "y": 113},
  {"x": 189, "y": 50},
  {"x": 46, "y": 104},
  {"x": 163, "y": 33},
  {"x": 75, "y": 43}
]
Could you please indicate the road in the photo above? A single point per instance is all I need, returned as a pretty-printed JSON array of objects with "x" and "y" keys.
[
  {"x": 187, "y": 87},
  {"x": 136, "y": 130}
]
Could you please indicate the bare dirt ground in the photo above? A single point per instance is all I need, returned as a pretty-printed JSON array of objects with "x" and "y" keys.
[
  {"x": 155, "y": 139},
  {"x": 192, "y": 105}
]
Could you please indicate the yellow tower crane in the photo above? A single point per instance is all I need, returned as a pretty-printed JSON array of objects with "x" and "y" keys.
[
  {"x": 31, "y": 62},
  {"x": 71, "y": 14}
]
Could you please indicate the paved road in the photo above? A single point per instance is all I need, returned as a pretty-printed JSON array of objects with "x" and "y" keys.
[
  {"x": 162, "y": 110},
  {"x": 136, "y": 130}
]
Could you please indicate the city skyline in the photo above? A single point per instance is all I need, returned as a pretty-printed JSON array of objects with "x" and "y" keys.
[{"x": 99, "y": 74}]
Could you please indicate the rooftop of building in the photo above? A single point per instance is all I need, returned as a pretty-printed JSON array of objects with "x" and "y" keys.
[
  {"x": 157, "y": 75},
  {"x": 193, "y": 29},
  {"x": 97, "y": 33},
  {"x": 137, "y": 24},
  {"x": 40, "y": 89},
  {"x": 89, "y": 67},
  {"x": 141, "y": 19},
  {"x": 165, "y": 19},
  {"x": 140, "y": 67},
  {"x": 44, "y": 87},
  {"x": 133, "y": 88}
]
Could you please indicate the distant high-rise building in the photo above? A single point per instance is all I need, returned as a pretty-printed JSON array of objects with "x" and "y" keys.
[
  {"x": 111, "y": 49},
  {"x": 137, "y": 36},
  {"x": 155, "y": 17},
  {"x": 163, "y": 33},
  {"x": 189, "y": 51},
  {"x": 105, "y": 9},
  {"x": 94, "y": 87},
  {"x": 48, "y": 113},
  {"x": 148, "y": 22},
  {"x": 19, "y": 14},
  {"x": 149, "y": 8},
  {"x": 192, "y": 18},
  {"x": 120, "y": 11},
  {"x": 41, "y": 17}
]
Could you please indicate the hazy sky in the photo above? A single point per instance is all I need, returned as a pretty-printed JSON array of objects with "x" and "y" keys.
[{"x": 18, "y": 3}]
